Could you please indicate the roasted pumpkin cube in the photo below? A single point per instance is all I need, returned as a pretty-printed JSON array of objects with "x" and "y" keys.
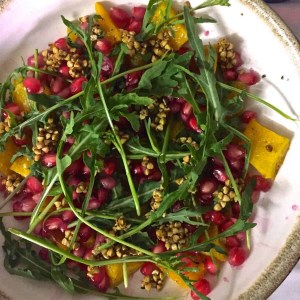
[
  {"x": 21, "y": 166},
  {"x": 268, "y": 149},
  {"x": 6, "y": 156}
]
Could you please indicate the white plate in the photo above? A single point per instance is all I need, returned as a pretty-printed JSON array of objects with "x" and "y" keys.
[{"x": 268, "y": 47}]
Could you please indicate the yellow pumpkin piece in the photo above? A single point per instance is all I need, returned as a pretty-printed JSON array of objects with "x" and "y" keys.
[
  {"x": 112, "y": 33},
  {"x": 5, "y": 156},
  {"x": 193, "y": 276},
  {"x": 19, "y": 97},
  {"x": 268, "y": 149},
  {"x": 21, "y": 166},
  {"x": 179, "y": 31},
  {"x": 115, "y": 272},
  {"x": 71, "y": 35}
]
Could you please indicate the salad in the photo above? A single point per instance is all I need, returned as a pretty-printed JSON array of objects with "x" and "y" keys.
[{"x": 126, "y": 148}]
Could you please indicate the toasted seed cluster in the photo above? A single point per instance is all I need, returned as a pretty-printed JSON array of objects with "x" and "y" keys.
[
  {"x": 227, "y": 194},
  {"x": 160, "y": 110},
  {"x": 188, "y": 140},
  {"x": 148, "y": 165},
  {"x": 159, "y": 45},
  {"x": 173, "y": 234},
  {"x": 226, "y": 54},
  {"x": 121, "y": 225},
  {"x": 11, "y": 182},
  {"x": 46, "y": 140},
  {"x": 134, "y": 47},
  {"x": 60, "y": 203},
  {"x": 118, "y": 251},
  {"x": 156, "y": 199},
  {"x": 155, "y": 280},
  {"x": 5, "y": 125},
  {"x": 82, "y": 188},
  {"x": 55, "y": 57},
  {"x": 66, "y": 241}
]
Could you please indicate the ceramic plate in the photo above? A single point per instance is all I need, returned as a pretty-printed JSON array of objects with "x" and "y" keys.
[{"x": 268, "y": 47}]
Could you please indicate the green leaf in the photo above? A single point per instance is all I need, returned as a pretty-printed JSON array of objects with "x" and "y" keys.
[
  {"x": 62, "y": 279},
  {"x": 133, "y": 119},
  {"x": 128, "y": 99},
  {"x": 45, "y": 100},
  {"x": 247, "y": 203}
]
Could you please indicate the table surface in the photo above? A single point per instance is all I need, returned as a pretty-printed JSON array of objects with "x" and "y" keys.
[{"x": 290, "y": 12}]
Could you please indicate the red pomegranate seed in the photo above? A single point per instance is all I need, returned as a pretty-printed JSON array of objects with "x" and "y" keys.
[
  {"x": 80, "y": 251},
  {"x": 64, "y": 71},
  {"x": 32, "y": 85},
  {"x": 220, "y": 174},
  {"x": 49, "y": 160},
  {"x": 76, "y": 85},
  {"x": 107, "y": 66},
  {"x": 255, "y": 196},
  {"x": 159, "y": 247},
  {"x": 65, "y": 93},
  {"x": 110, "y": 166},
  {"x": 28, "y": 204},
  {"x": 238, "y": 59},
  {"x": 190, "y": 228},
  {"x": 237, "y": 165},
  {"x": 205, "y": 199},
  {"x": 36, "y": 198},
  {"x": 177, "y": 206},
  {"x": 192, "y": 123},
  {"x": 217, "y": 217},
  {"x": 58, "y": 85},
  {"x": 241, "y": 236},
  {"x": 94, "y": 203},
  {"x": 232, "y": 241},
  {"x": 175, "y": 106},
  {"x": 236, "y": 256},
  {"x": 73, "y": 181},
  {"x": 138, "y": 12},
  {"x": 103, "y": 46},
  {"x": 84, "y": 25},
  {"x": 104, "y": 284},
  {"x": 68, "y": 216},
  {"x": 203, "y": 287},
  {"x": 34, "y": 185},
  {"x": 207, "y": 186},
  {"x": 230, "y": 74},
  {"x": 216, "y": 161},
  {"x": 99, "y": 239},
  {"x": 134, "y": 25},
  {"x": 186, "y": 111},
  {"x": 40, "y": 61},
  {"x": 19, "y": 142},
  {"x": 88, "y": 255},
  {"x": 84, "y": 232},
  {"x": 108, "y": 182},
  {"x": 132, "y": 79},
  {"x": 210, "y": 267},
  {"x": 249, "y": 77},
  {"x": 234, "y": 152},
  {"x": 61, "y": 44},
  {"x": 147, "y": 268},
  {"x": 235, "y": 207},
  {"x": 225, "y": 225},
  {"x": 17, "y": 207},
  {"x": 99, "y": 278},
  {"x": 119, "y": 16},
  {"x": 262, "y": 184},
  {"x": 247, "y": 116},
  {"x": 102, "y": 195},
  {"x": 75, "y": 168},
  {"x": 54, "y": 223},
  {"x": 13, "y": 108}
]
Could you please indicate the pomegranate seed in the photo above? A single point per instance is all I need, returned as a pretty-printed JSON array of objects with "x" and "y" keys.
[
  {"x": 207, "y": 186},
  {"x": 11, "y": 107},
  {"x": 235, "y": 207},
  {"x": 190, "y": 228},
  {"x": 104, "y": 284},
  {"x": 186, "y": 111},
  {"x": 102, "y": 195},
  {"x": 177, "y": 206},
  {"x": 84, "y": 25},
  {"x": 17, "y": 207},
  {"x": 203, "y": 287},
  {"x": 138, "y": 12},
  {"x": 76, "y": 85},
  {"x": 132, "y": 79},
  {"x": 247, "y": 116},
  {"x": 61, "y": 44},
  {"x": 65, "y": 93},
  {"x": 84, "y": 232},
  {"x": 216, "y": 161},
  {"x": 134, "y": 25},
  {"x": 34, "y": 185},
  {"x": 68, "y": 216},
  {"x": 49, "y": 160},
  {"x": 99, "y": 239},
  {"x": 103, "y": 46},
  {"x": 241, "y": 236},
  {"x": 249, "y": 77},
  {"x": 238, "y": 59},
  {"x": 110, "y": 166},
  {"x": 236, "y": 256},
  {"x": 192, "y": 123},
  {"x": 19, "y": 142},
  {"x": 73, "y": 181},
  {"x": 75, "y": 168},
  {"x": 205, "y": 199},
  {"x": 237, "y": 165},
  {"x": 210, "y": 267},
  {"x": 54, "y": 223},
  {"x": 108, "y": 182},
  {"x": 32, "y": 85},
  {"x": 119, "y": 16},
  {"x": 262, "y": 184},
  {"x": 183, "y": 50},
  {"x": 99, "y": 278},
  {"x": 64, "y": 71},
  {"x": 40, "y": 61},
  {"x": 28, "y": 205},
  {"x": 220, "y": 174},
  {"x": 255, "y": 196},
  {"x": 147, "y": 268},
  {"x": 159, "y": 247},
  {"x": 225, "y": 225},
  {"x": 232, "y": 241},
  {"x": 107, "y": 66},
  {"x": 58, "y": 85},
  {"x": 230, "y": 74},
  {"x": 175, "y": 106},
  {"x": 94, "y": 203},
  {"x": 217, "y": 217},
  {"x": 234, "y": 152},
  {"x": 88, "y": 255},
  {"x": 36, "y": 198}
]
